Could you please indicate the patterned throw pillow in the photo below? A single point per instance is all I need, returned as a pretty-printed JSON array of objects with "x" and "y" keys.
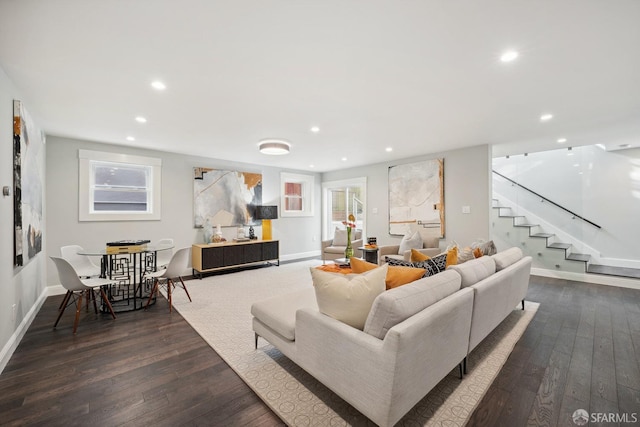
[{"x": 433, "y": 265}]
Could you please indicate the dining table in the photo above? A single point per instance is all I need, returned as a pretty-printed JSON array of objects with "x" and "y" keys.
[{"x": 128, "y": 268}]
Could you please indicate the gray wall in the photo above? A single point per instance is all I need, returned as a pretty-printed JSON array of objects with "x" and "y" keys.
[
  {"x": 24, "y": 286},
  {"x": 296, "y": 235},
  {"x": 466, "y": 183}
]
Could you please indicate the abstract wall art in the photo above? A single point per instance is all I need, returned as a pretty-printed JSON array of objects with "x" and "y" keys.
[
  {"x": 28, "y": 158},
  {"x": 225, "y": 197},
  {"x": 416, "y": 197}
]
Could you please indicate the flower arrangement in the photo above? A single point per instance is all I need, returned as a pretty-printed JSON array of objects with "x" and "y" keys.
[{"x": 351, "y": 223}]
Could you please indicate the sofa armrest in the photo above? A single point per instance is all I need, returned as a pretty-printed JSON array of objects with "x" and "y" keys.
[
  {"x": 384, "y": 379},
  {"x": 387, "y": 250},
  {"x": 325, "y": 244}
]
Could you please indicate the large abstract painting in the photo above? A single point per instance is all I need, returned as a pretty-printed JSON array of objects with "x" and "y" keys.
[
  {"x": 416, "y": 197},
  {"x": 225, "y": 197},
  {"x": 28, "y": 147}
]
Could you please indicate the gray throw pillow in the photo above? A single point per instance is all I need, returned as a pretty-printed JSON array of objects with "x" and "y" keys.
[{"x": 410, "y": 241}]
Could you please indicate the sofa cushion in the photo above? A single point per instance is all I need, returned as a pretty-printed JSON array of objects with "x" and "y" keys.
[
  {"x": 335, "y": 249},
  {"x": 410, "y": 241},
  {"x": 397, "y": 305},
  {"x": 348, "y": 298},
  {"x": 475, "y": 270},
  {"x": 507, "y": 257},
  {"x": 396, "y": 275},
  {"x": 279, "y": 312}
]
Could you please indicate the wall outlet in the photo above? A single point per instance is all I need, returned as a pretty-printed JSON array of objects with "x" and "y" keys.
[
  {"x": 13, "y": 312},
  {"x": 314, "y": 238},
  {"x": 466, "y": 209},
  {"x": 374, "y": 210}
]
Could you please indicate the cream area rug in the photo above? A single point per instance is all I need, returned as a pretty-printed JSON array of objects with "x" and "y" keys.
[{"x": 220, "y": 313}]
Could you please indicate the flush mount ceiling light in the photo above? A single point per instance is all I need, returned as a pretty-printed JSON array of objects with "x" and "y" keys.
[
  {"x": 158, "y": 85},
  {"x": 562, "y": 140},
  {"x": 509, "y": 56},
  {"x": 546, "y": 117},
  {"x": 274, "y": 147},
  {"x": 141, "y": 119},
  {"x": 315, "y": 129}
]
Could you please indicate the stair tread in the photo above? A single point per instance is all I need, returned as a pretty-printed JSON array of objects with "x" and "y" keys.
[
  {"x": 546, "y": 235},
  {"x": 559, "y": 245},
  {"x": 511, "y": 216},
  {"x": 579, "y": 257},
  {"x": 614, "y": 271},
  {"x": 526, "y": 225}
]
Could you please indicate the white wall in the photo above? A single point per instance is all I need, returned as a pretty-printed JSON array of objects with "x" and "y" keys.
[
  {"x": 601, "y": 186},
  {"x": 466, "y": 183},
  {"x": 24, "y": 286},
  {"x": 295, "y": 234}
]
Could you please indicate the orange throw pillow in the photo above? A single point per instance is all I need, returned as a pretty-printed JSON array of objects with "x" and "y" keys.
[
  {"x": 452, "y": 256},
  {"x": 417, "y": 256},
  {"x": 396, "y": 275},
  {"x": 358, "y": 265},
  {"x": 477, "y": 252}
]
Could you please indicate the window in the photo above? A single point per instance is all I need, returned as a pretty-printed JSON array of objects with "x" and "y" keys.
[
  {"x": 296, "y": 194},
  {"x": 118, "y": 187}
]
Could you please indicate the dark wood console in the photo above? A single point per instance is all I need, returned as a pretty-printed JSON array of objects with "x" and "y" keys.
[{"x": 220, "y": 256}]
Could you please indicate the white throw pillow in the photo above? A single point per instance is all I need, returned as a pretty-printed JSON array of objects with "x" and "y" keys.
[
  {"x": 339, "y": 238},
  {"x": 348, "y": 298},
  {"x": 410, "y": 241}
]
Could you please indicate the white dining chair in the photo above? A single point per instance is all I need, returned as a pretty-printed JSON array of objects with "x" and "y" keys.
[
  {"x": 178, "y": 264},
  {"x": 163, "y": 257},
  {"x": 82, "y": 264},
  {"x": 77, "y": 288}
]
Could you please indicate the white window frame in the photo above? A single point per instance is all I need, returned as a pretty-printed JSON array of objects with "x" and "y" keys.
[
  {"x": 308, "y": 182},
  {"x": 85, "y": 211}
]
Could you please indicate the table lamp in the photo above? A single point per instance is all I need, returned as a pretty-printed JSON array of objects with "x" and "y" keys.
[{"x": 266, "y": 214}]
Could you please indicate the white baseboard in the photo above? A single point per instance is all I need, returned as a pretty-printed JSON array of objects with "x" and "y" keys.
[
  {"x": 56, "y": 290},
  {"x": 12, "y": 344},
  {"x": 300, "y": 255},
  {"x": 599, "y": 279}
]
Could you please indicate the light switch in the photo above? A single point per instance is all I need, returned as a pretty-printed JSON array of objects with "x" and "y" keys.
[
  {"x": 466, "y": 209},
  {"x": 374, "y": 210}
]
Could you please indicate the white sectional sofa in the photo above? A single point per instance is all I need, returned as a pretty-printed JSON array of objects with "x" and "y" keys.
[{"x": 413, "y": 337}]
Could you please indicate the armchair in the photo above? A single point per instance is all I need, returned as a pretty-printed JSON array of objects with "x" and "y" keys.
[{"x": 334, "y": 248}]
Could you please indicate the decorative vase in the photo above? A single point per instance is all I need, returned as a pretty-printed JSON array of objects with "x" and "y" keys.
[
  {"x": 348, "y": 252},
  {"x": 208, "y": 232}
]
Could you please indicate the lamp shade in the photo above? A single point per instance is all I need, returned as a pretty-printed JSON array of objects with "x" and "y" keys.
[{"x": 266, "y": 212}]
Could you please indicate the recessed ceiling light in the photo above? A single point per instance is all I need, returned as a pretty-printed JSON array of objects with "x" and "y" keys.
[
  {"x": 546, "y": 117},
  {"x": 509, "y": 56},
  {"x": 388, "y": 149},
  {"x": 130, "y": 138},
  {"x": 315, "y": 129},
  {"x": 141, "y": 119},
  {"x": 562, "y": 140},
  {"x": 158, "y": 85},
  {"x": 274, "y": 147},
  {"x": 311, "y": 166},
  {"x": 344, "y": 159},
  {"x": 575, "y": 165}
]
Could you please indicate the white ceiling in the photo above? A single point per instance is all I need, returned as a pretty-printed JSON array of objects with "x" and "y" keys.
[{"x": 419, "y": 76}]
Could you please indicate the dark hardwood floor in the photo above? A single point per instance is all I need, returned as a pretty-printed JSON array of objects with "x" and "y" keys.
[{"x": 581, "y": 351}]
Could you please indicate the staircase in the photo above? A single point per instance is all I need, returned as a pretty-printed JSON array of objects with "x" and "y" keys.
[{"x": 533, "y": 231}]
